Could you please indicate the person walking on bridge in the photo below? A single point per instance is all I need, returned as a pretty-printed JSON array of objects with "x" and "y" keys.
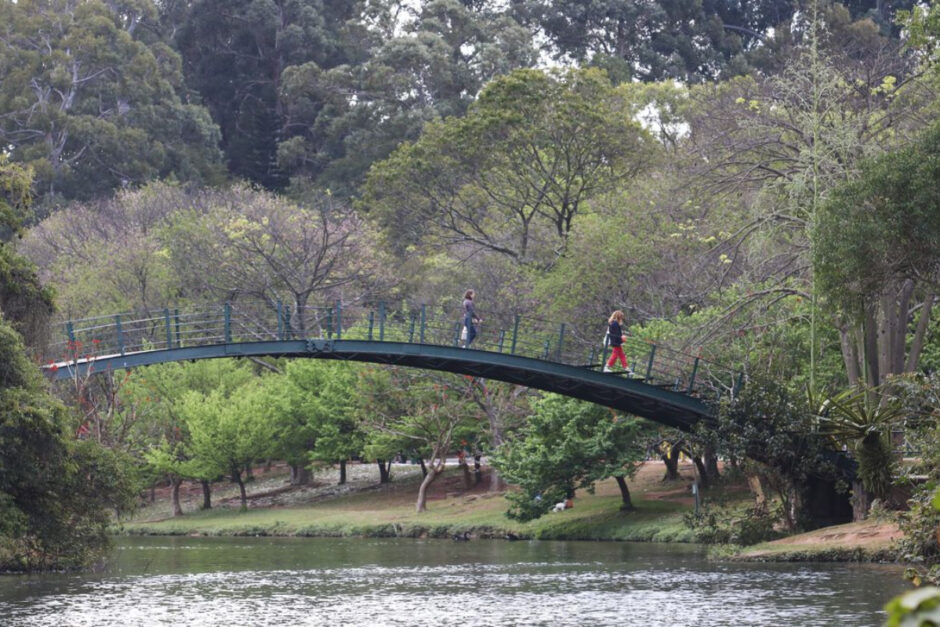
[
  {"x": 470, "y": 318},
  {"x": 616, "y": 337}
]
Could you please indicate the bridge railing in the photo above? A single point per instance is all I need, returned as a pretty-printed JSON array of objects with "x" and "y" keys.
[{"x": 251, "y": 321}]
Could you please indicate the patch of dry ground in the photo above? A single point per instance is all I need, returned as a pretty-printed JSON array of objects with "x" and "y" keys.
[{"x": 871, "y": 536}]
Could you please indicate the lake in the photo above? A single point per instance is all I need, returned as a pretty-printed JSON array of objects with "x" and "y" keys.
[{"x": 354, "y": 581}]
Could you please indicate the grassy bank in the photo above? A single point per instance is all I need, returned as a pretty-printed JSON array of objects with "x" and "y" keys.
[{"x": 366, "y": 509}]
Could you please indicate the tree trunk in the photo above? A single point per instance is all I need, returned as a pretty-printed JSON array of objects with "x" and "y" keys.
[
  {"x": 849, "y": 354},
  {"x": 237, "y": 478},
  {"x": 870, "y": 343},
  {"x": 385, "y": 474},
  {"x": 861, "y": 501},
  {"x": 477, "y": 470},
  {"x": 711, "y": 464},
  {"x": 300, "y": 474},
  {"x": 700, "y": 469},
  {"x": 627, "y": 503},
  {"x": 429, "y": 477},
  {"x": 176, "y": 482},
  {"x": 467, "y": 478},
  {"x": 342, "y": 472},
  {"x": 424, "y": 468},
  {"x": 671, "y": 459},
  {"x": 760, "y": 499},
  {"x": 206, "y": 495},
  {"x": 497, "y": 484},
  {"x": 917, "y": 344}
]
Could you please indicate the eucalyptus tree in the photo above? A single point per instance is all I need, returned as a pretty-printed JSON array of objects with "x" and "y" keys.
[
  {"x": 512, "y": 176},
  {"x": 418, "y": 61},
  {"x": 878, "y": 258},
  {"x": 234, "y": 53},
  {"x": 782, "y": 143},
  {"x": 90, "y": 106}
]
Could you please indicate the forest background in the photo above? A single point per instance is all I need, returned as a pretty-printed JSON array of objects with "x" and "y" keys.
[{"x": 754, "y": 182}]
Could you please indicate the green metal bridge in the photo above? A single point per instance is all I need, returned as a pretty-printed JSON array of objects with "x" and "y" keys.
[{"x": 668, "y": 386}]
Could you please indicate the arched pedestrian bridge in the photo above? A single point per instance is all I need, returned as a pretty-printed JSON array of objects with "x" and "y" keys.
[{"x": 668, "y": 386}]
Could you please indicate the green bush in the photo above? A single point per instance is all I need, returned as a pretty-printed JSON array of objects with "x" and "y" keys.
[{"x": 742, "y": 527}]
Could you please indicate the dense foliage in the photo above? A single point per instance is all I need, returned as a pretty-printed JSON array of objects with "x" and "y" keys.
[{"x": 753, "y": 183}]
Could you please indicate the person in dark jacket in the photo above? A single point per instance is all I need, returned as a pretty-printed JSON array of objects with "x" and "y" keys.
[
  {"x": 470, "y": 318},
  {"x": 617, "y": 338}
]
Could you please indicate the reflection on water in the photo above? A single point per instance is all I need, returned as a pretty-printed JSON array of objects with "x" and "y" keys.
[{"x": 266, "y": 581}]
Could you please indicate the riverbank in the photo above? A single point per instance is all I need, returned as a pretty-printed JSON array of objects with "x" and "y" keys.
[{"x": 365, "y": 508}]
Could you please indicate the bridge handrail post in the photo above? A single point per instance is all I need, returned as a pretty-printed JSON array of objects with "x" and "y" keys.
[
  {"x": 649, "y": 363},
  {"x": 70, "y": 331},
  {"x": 120, "y": 332},
  {"x": 593, "y": 355},
  {"x": 411, "y": 330},
  {"x": 329, "y": 324},
  {"x": 457, "y": 327},
  {"x": 371, "y": 323},
  {"x": 382, "y": 321},
  {"x": 692, "y": 376},
  {"x": 502, "y": 338},
  {"x": 515, "y": 335},
  {"x": 280, "y": 320},
  {"x": 227, "y": 313},
  {"x": 547, "y": 347},
  {"x": 424, "y": 318},
  {"x": 179, "y": 335},
  {"x": 169, "y": 330},
  {"x": 561, "y": 341},
  {"x": 339, "y": 320}
]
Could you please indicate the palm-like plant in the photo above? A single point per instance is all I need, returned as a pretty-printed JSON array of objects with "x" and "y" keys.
[{"x": 860, "y": 419}]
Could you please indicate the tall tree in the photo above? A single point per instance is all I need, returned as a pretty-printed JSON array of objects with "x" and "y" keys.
[
  {"x": 512, "y": 176},
  {"x": 234, "y": 53},
  {"x": 418, "y": 62},
  {"x": 878, "y": 258},
  {"x": 90, "y": 106}
]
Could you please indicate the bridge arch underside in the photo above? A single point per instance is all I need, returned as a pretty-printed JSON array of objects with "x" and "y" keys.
[{"x": 632, "y": 396}]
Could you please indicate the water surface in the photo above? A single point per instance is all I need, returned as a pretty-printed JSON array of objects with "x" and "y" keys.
[{"x": 325, "y": 581}]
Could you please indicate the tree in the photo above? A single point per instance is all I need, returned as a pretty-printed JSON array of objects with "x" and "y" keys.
[
  {"x": 566, "y": 445},
  {"x": 24, "y": 301},
  {"x": 244, "y": 242},
  {"x": 422, "y": 409},
  {"x": 228, "y": 431},
  {"x": 513, "y": 174},
  {"x": 56, "y": 493},
  {"x": 785, "y": 141},
  {"x": 775, "y": 429},
  {"x": 166, "y": 442},
  {"x": 234, "y": 54},
  {"x": 415, "y": 62},
  {"x": 863, "y": 420},
  {"x": 877, "y": 258},
  {"x": 691, "y": 42},
  {"x": 92, "y": 108}
]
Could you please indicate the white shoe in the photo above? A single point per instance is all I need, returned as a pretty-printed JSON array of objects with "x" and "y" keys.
[
  {"x": 607, "y": 369},
  {"x": 629, "y": 372}
]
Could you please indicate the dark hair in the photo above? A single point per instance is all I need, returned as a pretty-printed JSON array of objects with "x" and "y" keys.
[{"x": 468, "y": 294}]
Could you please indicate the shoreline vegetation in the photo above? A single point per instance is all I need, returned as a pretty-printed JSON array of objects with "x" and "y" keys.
[{"x": 458, "y": 509}]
